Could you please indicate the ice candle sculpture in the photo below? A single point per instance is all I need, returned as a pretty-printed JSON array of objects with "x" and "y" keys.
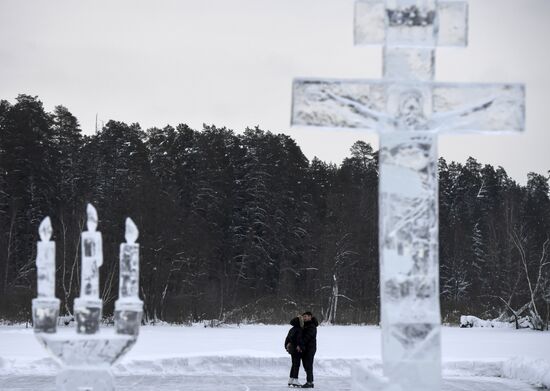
[
  {"x": 128, "y": 306},
  {"x": 88, "y": 306},
  {"x": 408, "y": 109},
  {"x": 87, "y": 355},
  {"x": 45, "y": 308}
]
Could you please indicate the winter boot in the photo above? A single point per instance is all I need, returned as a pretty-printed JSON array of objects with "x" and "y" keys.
[
  {"x": 308, "y": 385},
  {"x": 294, "y": 383}
]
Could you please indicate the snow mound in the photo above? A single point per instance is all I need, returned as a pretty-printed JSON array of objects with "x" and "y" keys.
[
  {"x": 42, "y": 366},
  {"x": 533, "y": 371},
  {"x": 227, "y": 365},
  {"x": 486, "y": 368},
  {"x": 198, "y": 365}
]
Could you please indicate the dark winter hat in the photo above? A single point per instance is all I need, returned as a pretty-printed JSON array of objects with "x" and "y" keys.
[{"x": 307, "y": 313}]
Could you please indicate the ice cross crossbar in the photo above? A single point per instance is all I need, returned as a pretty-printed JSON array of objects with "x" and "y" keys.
[
  {"x": 409, "y": 110},
  {"x": 387, "y": 106}
]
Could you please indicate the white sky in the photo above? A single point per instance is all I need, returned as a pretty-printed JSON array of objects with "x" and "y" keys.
[{"x": 231, "y": 63}]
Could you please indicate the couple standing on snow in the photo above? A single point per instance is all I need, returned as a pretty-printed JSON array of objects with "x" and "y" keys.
[{"x": 301, "y": 344}]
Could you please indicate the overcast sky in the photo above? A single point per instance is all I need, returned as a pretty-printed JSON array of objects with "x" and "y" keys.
[{"x": 231, "y": 63}]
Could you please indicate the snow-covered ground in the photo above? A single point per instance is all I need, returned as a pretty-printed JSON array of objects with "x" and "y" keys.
[
  {"x": 251, "y": 383},
  {"x": 256, "y": 352}
]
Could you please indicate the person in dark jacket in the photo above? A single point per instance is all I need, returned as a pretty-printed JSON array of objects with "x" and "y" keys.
[
  {"x": 309, "y": 338},
  {"x": 294, "y": 346}
]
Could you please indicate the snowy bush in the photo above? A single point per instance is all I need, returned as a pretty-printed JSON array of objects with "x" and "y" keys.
[{"x": 472, "y": 321}]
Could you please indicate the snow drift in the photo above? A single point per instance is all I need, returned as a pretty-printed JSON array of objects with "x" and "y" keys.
[{"x": 533, "y": 371}]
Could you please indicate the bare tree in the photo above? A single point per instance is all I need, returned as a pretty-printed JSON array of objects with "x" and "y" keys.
[{"x": 534, "y": 286}]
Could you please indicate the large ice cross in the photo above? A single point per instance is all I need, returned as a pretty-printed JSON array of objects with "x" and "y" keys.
[{"x": 409, "y": 110}]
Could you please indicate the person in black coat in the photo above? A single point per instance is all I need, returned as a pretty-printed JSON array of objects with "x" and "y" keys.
[
  {"x": 294, "y": 346},
  {"x": 309, "y": 337}
]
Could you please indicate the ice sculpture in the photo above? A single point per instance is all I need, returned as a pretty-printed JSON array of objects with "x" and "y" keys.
[
  {"x": 128, "y": 306},
  {"x": 87, "y": 355},
  {"x": 409, "y": 109},
  {"x": 45, "y": 307},
  {"x": 87, "y": 307}
]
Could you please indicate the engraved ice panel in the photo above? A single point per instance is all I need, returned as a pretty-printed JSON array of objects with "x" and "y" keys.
[
  {"x": 387, "y": 106},
  {"x": 479, "y": 107},
  {"x": 452, "y": 23},
  {"x": 411, "y": 23},
  {"x": 320, "y": 102},
  {"x": 370, "y": 22},
  {"x": 401, "y": 63},
  {"x": 411, "y": 355},
  {"x": 128, "y": 271}
]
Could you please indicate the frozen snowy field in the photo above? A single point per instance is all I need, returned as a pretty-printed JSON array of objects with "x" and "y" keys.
[{"x": 253, "y": 358}]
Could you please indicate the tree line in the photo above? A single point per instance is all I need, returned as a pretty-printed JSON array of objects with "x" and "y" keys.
[{"x": 242, "y": 227}]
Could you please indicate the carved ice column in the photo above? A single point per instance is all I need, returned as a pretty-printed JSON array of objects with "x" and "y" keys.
[
  {"x": 86, "y": 356},
  {"x": 409, "y": 268}
]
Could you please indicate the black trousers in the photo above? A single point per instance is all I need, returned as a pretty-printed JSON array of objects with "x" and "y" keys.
[
  {"x": 307, "y": 362},
  {"x": 295, "y": 369}
]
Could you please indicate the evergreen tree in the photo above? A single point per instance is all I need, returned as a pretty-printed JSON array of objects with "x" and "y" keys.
[{"x": 242, "y": 226}]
